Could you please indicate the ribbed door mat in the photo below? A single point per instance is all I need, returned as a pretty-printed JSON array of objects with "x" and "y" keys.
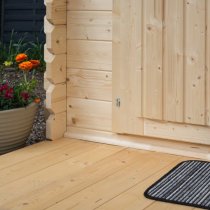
[{"x": 188, "y": 184}]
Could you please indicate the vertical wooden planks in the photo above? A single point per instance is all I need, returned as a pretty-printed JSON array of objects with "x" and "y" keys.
[
  {"x": 116, "y": 67},
  {"x": 173, "y": 61},
  {"x": 153, "y": 67},
  {"x": 208, "y": 62},
  {"x": 195, "y": 62},
  {"x": 127, "y": 66}
]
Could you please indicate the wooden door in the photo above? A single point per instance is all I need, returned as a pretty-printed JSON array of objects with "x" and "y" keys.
[{"x": 160, "y": 63}]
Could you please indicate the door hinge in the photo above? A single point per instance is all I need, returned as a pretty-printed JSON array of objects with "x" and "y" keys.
[{"x": 118, "y": 102}]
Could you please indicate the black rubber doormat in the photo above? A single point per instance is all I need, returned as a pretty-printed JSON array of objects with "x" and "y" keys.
[{"x": 187, "y": 184}]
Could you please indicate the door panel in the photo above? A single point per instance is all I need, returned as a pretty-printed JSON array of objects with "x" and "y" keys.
[
  {"x": 127, "y": 66},
  {"x": 173, "y": 79},
  {"x": 152, "y": 58},
  {"x": 195, "y": 27}
]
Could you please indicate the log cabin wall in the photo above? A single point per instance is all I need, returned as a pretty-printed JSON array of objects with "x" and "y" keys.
[
  {"x": 89, "y": 64},
  {"x": 138, "y": 67},
  {"x": 160, "y": 67},
  {"x": 55, "y": 76}
]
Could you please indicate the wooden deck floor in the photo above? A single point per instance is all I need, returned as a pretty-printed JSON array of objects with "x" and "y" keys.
[{"x": 78, "y": 175}]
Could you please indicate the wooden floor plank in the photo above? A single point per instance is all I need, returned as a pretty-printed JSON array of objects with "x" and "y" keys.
[
  {"x": 28, "y": 152},
  {"x": 63, "y": 153},
  {"x": 134, "y": 198},
  {"x": 115, "y": 184},
  {"x": 166, "y": 206},
  {"x": 73, "y": 174},
  {"x": 72, "y": 182},
  {"x": 50, "y": 175}
]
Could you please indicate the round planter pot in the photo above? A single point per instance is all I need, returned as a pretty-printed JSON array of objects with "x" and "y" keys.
[{"x": 15, "y": 127}]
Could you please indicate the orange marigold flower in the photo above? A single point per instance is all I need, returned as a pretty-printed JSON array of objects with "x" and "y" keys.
[
  {"x": 37, "y": 100},
  {"x": 35, "y": 63},
  {"x": 26, "y": 66},
  {"x": 21, "y": 57}
]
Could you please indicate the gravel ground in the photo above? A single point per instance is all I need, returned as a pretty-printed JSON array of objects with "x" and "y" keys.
[{"x": 38, "y": 131}]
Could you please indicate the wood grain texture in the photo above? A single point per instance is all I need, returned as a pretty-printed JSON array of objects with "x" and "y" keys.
[
  {"x": 89, "y": 55},
  {"x": 92, "y": 175},
  {"x": 27, "y": 153},
  {"x": 56, "y": 11},
  {"x": 54, "y": 174},
  {"x": 89, "y": 25},
  {"x": 56, "y": 126},
  {"x": 89, "y": 84},
  {"x": 102, "y": 192},
  {"x": 89, "y": 5},
  {"x": 173, "y": 80},
  {"x": 160, "y": 65},
  {"x": 89, "y": 114},
  {"x": 46, "y": 82},
  {"x": 164, "y": 206},
  {"x": 127, "y": 66},
  {"x": 195, "y": 62},
  {"x": 89, "y": 52},
  {"x": 71, "y": 147},
  {"x": 179, "y": 132},
  {"x": 128, "y": 199},
  {"x": 56, "y": 98},
  {"x": 55, "y": 76},
  {"x": 208, "y": 63},
  {"x": 55, "y": 37},
  {"x": 148, "y": 143},
  {"x": 55, "y": 67},
  {"x": 153, "y": 65}
]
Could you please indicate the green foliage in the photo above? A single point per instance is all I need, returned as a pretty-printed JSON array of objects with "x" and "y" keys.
[
  {"x": 36, "y": 51},
  {"x": 9, "y": 51}
]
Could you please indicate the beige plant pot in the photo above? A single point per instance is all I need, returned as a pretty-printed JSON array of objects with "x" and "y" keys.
[{"x": 15, "y": 127}]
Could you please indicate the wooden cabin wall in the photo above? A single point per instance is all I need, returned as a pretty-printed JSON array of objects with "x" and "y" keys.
[
  {"x": 89, "y": 64},
  {"x": 161, "y": 68},
  {"x": 55, "y": 75},
  {"x": 157, "y": 63}
]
